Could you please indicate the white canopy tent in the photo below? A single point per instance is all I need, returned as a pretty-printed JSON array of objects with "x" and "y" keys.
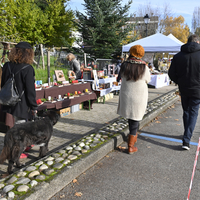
[
  {"x": 175, "y": 39},
  {"x": 155, "y": 43}
]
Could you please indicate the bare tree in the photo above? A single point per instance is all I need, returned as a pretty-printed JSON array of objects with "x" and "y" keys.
[
  {"x": 148, "y": 9},
  {"x": 161, "y": 12},
  {"x": 196, "y": 20},
  {"x": 166, "y": 12}
]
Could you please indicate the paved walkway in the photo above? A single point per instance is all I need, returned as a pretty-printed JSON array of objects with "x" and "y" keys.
[
  {"x": 160, "y": 170},
  {"x": 81, "y": 123}
]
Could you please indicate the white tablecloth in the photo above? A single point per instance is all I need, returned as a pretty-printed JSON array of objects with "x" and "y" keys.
[
  {"x": 103, "y": 81},
  {"x": 159, "y": 80},
  {"x": 108, "y": 90}
]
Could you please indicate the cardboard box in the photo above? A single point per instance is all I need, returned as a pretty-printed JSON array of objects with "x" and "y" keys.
[
  {"x": 107, "y": 97},
  {"x": 64, "y": 112},
  {"x": 74, "y": 108},
  {"x": 100, "y": 99},
  {"x": 111, "y": 95}
]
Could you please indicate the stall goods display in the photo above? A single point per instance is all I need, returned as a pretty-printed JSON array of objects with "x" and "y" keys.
[
  {"x": 39, "y": 102},
  {"x": 46, "y": 100},
  {"x": 69, "y": 95},
  {"x": 43, "y": 100},
  {"x": 74, "y": 81},
  {"x": 58, "y": 83},
  {"x": 46, "y": 87}
]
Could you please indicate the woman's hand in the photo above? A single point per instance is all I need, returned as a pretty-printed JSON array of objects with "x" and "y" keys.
[{"x": 33, "y": 112}]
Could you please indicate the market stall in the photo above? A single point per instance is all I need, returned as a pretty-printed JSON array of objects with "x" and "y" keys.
[
  {"x": 155, "y": 43},
  {"x": 159, "y": 80},
  {"x": 111, "y": 81},
  {"x": 66, "y": 101},
  {"x": 106, "y": 85},
  {"x": 55, "y": 92}
]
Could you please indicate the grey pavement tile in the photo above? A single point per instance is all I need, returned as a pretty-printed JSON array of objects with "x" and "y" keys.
[{"x": 78, "y": 124}]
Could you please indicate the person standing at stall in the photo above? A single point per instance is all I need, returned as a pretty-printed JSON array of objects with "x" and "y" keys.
[
  {"x": 74, "y": 65},
  {"x": 133, "y": 96},
  {"x": 21, "y": 58}
]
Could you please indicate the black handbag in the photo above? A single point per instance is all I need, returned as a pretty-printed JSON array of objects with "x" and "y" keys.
[{"x": 9, "y": 94}]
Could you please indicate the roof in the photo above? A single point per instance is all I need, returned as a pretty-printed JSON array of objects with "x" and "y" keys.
[{"x": 155, "y": 43}]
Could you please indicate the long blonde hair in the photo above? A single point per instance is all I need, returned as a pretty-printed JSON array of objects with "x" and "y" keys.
[{"x": 70, "y": 56}]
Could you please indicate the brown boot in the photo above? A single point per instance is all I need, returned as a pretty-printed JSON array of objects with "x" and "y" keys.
[{"x": 132, "y": 139}]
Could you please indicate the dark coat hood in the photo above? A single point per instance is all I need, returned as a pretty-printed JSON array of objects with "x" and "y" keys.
[
  {"x": 185, "y": 70},
  {"x": 190, "y": 47}
]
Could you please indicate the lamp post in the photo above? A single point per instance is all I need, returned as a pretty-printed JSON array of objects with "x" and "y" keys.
[{"x": 146, "y": 21}]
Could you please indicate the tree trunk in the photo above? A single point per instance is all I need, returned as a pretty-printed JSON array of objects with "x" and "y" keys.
[
  {"x": 41, "y": 49},
  {"x": 48, "y": 66}
]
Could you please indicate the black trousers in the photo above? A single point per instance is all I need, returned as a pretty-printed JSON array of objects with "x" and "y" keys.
[{"x": 133, "y": 126}]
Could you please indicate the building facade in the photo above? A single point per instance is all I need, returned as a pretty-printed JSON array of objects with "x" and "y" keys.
[{"x": 145, "y": 29}]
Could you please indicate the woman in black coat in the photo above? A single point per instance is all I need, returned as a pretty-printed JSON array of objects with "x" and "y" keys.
[{"x": 21, "y": 55}]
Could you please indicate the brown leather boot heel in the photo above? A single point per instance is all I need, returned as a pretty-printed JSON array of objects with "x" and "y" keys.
[{"x": 132, "y": 139}]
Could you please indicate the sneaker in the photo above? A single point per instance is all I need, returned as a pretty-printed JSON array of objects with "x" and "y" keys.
[
  {"x": 186, "y": 146},
  {"x": 23, "y": 155}
]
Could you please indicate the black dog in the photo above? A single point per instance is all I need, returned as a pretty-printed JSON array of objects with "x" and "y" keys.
[{"x": 22, "y": 135}]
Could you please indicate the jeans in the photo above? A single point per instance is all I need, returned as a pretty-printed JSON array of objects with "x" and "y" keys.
[
  {"x": 190, "y": 113},
  {"x": 133, "y": 126}
]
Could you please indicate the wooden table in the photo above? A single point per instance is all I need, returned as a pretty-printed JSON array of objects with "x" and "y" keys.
[
  {"x": 8, "y": 119},
  {"x": 159, "y": 80}
]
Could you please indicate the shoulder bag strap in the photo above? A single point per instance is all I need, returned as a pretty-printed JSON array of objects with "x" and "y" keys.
[
  {"x": 17, "y": 73},
  {"x": 9, "y": 68},
  {"x": 21, "y": 69}
]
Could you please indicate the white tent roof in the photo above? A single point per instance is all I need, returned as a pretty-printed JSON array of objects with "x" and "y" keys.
[
  {"x": 155, "y": 43},
  {"x": 175, "y": 39}
]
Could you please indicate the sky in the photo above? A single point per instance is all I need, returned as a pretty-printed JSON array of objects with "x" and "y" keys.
[{"x": 178, "y": 7}]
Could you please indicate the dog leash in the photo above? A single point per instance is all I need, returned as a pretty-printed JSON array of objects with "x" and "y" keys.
[{"x": 35, "y": 116}]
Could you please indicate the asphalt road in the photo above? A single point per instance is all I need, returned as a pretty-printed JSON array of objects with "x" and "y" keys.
[{"x": 160, "y": 170}]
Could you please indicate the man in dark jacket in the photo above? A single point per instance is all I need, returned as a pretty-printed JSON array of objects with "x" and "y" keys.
[{"x": 185, "y": 71}]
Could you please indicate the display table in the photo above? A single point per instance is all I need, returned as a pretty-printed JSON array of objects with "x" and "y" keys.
[
  {"x": 107, "y": 80},
  {"x": 8, "y": 120},
  {"x": 55, "y": 91},
  {"x": 67, "y": 102},
  {"x": 159, "y": 80},
  {"x": 103, "y": 92}
]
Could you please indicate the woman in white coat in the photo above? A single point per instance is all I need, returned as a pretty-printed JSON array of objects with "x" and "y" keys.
[{"x": 134, "y": 92}]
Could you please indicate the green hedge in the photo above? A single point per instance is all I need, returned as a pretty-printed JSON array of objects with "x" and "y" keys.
[{"x": 42, "y": 74}]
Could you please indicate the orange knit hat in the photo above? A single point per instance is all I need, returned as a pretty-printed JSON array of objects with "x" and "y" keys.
[{"x": 137, "y": 51}]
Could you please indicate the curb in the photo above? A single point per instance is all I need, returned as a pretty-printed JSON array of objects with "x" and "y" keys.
[
  {"x": 48, "y": 189},
  {"x": 150, "y": 116}
]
